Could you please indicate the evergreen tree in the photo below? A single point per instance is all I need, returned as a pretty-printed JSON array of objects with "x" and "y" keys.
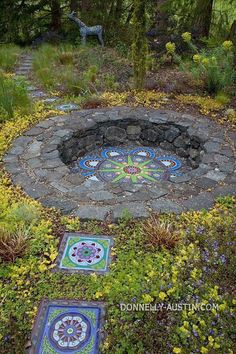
[{"x": 139, "y": 47}]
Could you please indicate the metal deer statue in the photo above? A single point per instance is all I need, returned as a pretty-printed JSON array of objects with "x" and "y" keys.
[{"x": 87, "y": 31}]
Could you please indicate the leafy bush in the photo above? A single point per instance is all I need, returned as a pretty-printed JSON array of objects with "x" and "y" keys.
[
  {"x": 43, "y": 61},
  {"x": 13, "y": 96},
  {"x": 66, "y": 58},
  {"x": 214, "y": 66},
  {"x": 8, "y": 57},
  {"x": 80, "y": 70},
  {"x": 24, "y": 213}
]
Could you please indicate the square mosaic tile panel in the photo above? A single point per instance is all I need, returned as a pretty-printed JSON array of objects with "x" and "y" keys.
[
  {"x": 81, "y": 252},
  {"x": 67, "y": 327}
]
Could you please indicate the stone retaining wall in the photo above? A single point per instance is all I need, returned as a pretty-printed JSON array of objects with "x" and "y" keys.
[
  {"x": 171, "y": 137},
  {"x": 34, "y": 162}
]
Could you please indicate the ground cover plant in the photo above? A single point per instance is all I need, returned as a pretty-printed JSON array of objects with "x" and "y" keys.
[{"x": 190, "y": 269}]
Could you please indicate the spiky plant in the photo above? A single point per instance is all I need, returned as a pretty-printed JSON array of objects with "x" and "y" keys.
[{"x": 160, "y": 234}]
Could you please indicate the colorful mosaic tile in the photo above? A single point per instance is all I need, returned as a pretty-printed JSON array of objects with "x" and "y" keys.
[
  {"x": 67, "y": 327},
  {"x": 84, "y": 253},
  {"x": 67, "y": 107},
  {"x": 136, "y": 165}
]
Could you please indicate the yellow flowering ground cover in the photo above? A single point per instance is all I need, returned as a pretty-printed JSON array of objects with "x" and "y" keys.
[
  {"x": 200, "y": 269},
  {"x": 133, "y": 98},
  {"x": 206, "y": 105}
]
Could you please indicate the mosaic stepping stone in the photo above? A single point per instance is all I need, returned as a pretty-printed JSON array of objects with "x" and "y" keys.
[
  {"x": 67, "y": 107},
  {"x": 50, "y": 99},
  {"x": 31, "y": 88},
  {"x": 125, "y": 165},
  {"x": 38, "y": 94},
  {"x": 21, "y": 72},
  {"x": 83, "y": 253},
  {"x": 67, "y": 327}
]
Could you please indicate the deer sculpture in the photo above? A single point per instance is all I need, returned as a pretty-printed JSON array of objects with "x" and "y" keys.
[{"x": 87, "y": 31}]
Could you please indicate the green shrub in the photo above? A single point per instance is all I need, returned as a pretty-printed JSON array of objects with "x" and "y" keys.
[
  {"x": 139, "y": 46},
  {"x": 23, "y": 212},
  {"x": 8, "y": 57},
  {"x": 43, "y": 61},
  {"x": 80, "y": 70},
  {"x": 66, "y": 55},
  {"x": 13, "y": 97},
  {"x": 215, "y": 66}
]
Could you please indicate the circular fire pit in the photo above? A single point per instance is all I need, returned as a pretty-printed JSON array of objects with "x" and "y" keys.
[{"x": 98, "y": 163}]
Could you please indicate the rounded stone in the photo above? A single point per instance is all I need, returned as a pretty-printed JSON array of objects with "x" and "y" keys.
[{"x": 115, "y": 134}]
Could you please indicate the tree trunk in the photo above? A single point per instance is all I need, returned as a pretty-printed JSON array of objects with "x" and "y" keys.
[
  {"x": 55, "y": 15},
  {"x": 74, "y": 5},
  {"x": 85, "y": 6},
  {"x": 119, "y": 8},
  {"x": 202, "y": 18},
  {"x": 232, "y": 37},
  {"x": 232, "y": 33},
  {"x": 139, "y": 47},
  {"x": 161, "y": 16}
]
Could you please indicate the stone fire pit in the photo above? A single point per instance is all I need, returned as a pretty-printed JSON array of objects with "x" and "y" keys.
[{"x": 98, "y": 163}]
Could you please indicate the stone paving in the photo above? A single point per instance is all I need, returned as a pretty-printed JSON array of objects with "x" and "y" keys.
[{"x": 39, "y": 161}]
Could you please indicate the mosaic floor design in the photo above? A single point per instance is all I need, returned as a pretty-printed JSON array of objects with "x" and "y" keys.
[
  {"x": 84, "y": 253},
  {"x": 67, "y": 327},
  {"x": 136, "y": 165}
]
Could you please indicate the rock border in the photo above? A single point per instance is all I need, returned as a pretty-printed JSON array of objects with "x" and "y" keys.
[{"x": 34, "y": 163}]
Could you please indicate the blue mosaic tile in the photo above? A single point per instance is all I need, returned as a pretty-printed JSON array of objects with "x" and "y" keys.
[
  {"x": 50, "y": 99},
  {"x": 67, "y": 107},
  {"x": 38, "y": 94},
  {"x": 135, "y": 165},
  {"x": 79, "y": 252},
  {"x": 67, "y": 327}
]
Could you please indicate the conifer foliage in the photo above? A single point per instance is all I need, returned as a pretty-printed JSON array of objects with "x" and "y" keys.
[{"x": 139, "y": 47}]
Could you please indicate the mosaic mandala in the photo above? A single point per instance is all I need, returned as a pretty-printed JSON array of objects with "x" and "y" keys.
[
  {"x": 139, "y": 165},
  {"x": 68, "y": 329},
  {"x": 85, "y": 253}
]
